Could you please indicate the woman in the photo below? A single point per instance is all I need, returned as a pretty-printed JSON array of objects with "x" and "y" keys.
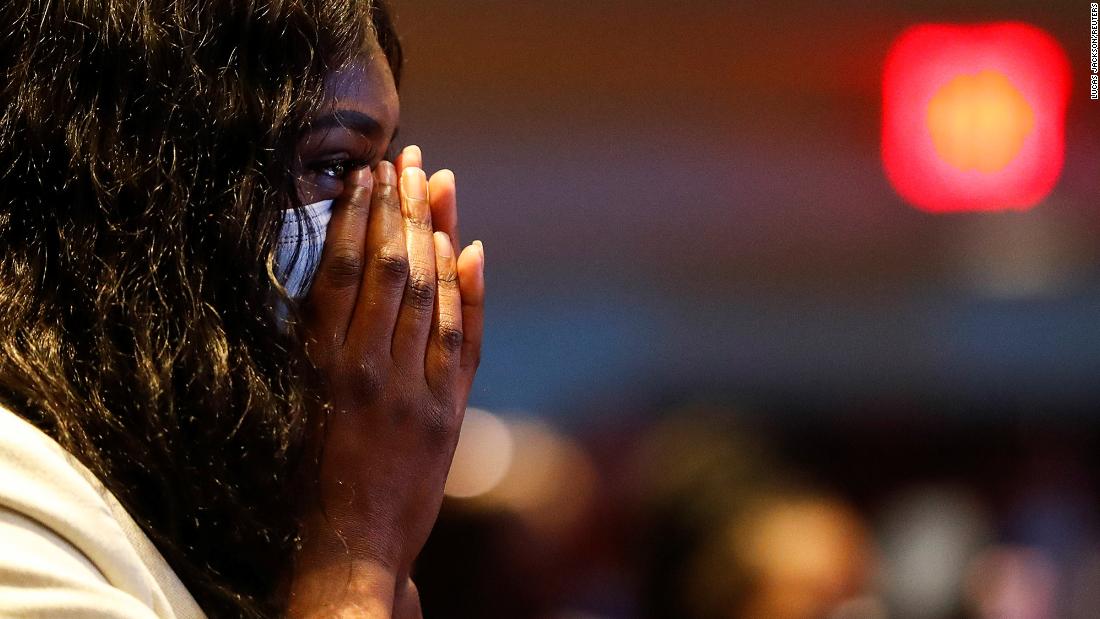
[{"x": 175, "y": 367}]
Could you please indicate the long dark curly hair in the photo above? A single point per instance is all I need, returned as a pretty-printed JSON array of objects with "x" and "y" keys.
[{"x": 145, "y": 156}]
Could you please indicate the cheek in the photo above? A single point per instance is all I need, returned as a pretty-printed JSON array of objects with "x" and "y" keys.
[{"x": 315, "y": 187}]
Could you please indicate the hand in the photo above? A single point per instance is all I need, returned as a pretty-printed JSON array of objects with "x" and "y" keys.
[
  {"x": 406, "y": 604},
  {"x": 394, "y": 323}
]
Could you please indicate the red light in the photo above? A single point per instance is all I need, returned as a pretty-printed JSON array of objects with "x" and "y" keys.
[{"x": 974, "y": 116}]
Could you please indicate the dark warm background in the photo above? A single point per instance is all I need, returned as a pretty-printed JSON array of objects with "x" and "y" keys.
[{"x": 688, "y": 230}]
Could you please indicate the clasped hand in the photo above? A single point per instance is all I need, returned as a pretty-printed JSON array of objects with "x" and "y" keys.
[{"x": 394, "y": 323}]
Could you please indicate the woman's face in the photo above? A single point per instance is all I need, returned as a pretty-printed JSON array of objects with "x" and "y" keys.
[{"x": 353, "y": 129}]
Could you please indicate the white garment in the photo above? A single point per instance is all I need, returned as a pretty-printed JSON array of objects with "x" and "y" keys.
[
  {"x": 67, "y": 547},
  {"x": 300, "y": 246}
]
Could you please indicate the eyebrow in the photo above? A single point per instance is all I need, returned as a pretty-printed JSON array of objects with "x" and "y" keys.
[{"x": 346, "y": 119}]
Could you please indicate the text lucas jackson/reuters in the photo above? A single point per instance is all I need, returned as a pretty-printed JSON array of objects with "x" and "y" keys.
[{"x": 1094, "y": 79}]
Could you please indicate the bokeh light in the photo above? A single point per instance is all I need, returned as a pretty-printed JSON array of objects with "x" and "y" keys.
[
  {"x": 551, "y": 481},
  {"x": 524, "y": 467},
  {"x": 807, "y": 555},
  {"x": 974, "y": 116},
  {"x": 979, "y": 122},
  {"x": 1012, "y": 583},
  {"x": 928, "y": 537},
  {"x": 483, "y": 456}
]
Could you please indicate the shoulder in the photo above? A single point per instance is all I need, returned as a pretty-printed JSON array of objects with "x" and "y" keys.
[{"x": 66, "y": 545}]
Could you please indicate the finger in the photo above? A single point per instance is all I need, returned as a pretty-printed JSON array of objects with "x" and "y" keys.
[
  {"x": 414, "y": 320},
  {"x": 445, "y": 342},
  {"x": 410, "y": 157},
  {"x": 441, "y": 189},
  {"x": 387, "y": 267},
  {"x": 340, "y": 271},
  {"x": 471, "y": 284}
]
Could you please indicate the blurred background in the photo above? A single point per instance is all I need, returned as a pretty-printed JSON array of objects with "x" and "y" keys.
[{"x": 728, "y": 371}]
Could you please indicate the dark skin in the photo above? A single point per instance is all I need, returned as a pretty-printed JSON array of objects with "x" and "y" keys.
[{"x": 394, "y": 322}]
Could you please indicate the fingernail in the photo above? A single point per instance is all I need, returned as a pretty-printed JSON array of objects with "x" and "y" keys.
[
  {"x": 415, "y": 184},
  {"x": 413, "y": 152},
  {"x": 386, "y": 174},
  {"x": 443, "y": 245},
  {"x": 481, "y": 250}
]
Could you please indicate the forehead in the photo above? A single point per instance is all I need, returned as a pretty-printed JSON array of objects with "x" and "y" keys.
[{"x": 365, "y": 85}]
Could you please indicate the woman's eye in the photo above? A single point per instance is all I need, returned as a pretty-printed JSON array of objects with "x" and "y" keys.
[
  {"x": 333, "y": 169},
  {"x": 338, "y": 169}
]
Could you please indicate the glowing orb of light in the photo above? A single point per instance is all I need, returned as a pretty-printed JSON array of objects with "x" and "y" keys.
[
  {"x": 979, "y": 122},
  {"x": 974, "y": 116},
  {"x": 483, "y": 455}
]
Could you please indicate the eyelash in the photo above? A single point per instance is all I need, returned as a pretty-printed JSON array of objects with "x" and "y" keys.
[{"x": 345, "y": 165}]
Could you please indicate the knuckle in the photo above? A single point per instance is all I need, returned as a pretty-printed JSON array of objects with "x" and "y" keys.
[
  {"x": 386, "y": 195},
  {"x": 439, "y": 424},
  {"x": 369, "y": 373},
  {"x": 346, "y": 266},
  {"x": 393, "y": 264},
  {"x": 419, "y": 223},
  {"x": 421, "y": 291},
  {"x": 448, "y": 279},
  {"x": 450, "y": 336},
  {"x": 368, "y": 377}
]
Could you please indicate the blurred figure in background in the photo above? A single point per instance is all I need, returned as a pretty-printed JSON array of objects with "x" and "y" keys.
[{"x": 736, "y": 534}]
